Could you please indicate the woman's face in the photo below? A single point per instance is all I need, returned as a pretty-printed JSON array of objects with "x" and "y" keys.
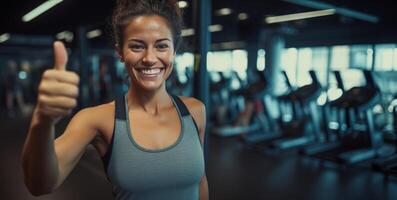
[{"x": 147, "y": 51}]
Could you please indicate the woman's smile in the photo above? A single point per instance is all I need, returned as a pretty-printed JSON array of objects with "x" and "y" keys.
[{"x": 150, "y": 73}]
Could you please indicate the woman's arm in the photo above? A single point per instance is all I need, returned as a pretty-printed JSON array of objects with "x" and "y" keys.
[
  {"x": 46, "y": 163},
  {"x": 203, "y": 182},
  {"x": 204, "y": 188},
  {"x": 197, "y": 109},
  {"x": 39, "y": 160}
]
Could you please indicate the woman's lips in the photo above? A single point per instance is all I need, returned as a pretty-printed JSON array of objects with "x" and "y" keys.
[{"x": 150, "y": 73}]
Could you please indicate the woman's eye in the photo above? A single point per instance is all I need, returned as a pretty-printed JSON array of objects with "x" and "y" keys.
[
  {"x": 135, "y": 47},
  {"x": 162, "y": 46}
]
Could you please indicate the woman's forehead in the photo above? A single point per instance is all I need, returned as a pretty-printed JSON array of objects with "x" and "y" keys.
[{"x": 148, "y": 26}]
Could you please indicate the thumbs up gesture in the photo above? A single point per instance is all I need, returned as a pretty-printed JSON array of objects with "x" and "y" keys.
[{"x": 58, "y": 89}]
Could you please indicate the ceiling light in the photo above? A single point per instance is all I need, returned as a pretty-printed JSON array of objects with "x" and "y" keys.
[
  {"x": 242, "y": 16},
  {"x": 182, "y": 4},
  {"x": 94, "y": 33},
  {"x": 298, "y": 16},
  {"x": 215, "y": 28},
  {"x": 187, "y": 32},
  {"x": 4, "y": 37},
  {"x": 338, "y": 10},
  {"x": 224, "y": 11},
  {"x": 65, "y": 35},
  {"x": 40, "y": 10}
]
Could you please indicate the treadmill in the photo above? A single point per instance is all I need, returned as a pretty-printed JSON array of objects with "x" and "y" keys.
[
  {"x": 332, "y": 138},
  {"x": 388, "y": 165},
  {"x": 306, "y": 97},
  {"x": 302, "y": 129},
  {"x": 358, "y": 145}
]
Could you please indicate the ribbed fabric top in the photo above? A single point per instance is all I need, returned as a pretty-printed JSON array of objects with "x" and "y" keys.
[{"x": 171, "y": 173}]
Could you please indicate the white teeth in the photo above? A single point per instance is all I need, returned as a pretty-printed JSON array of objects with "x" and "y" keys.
[{"x": 151, "y": 71}]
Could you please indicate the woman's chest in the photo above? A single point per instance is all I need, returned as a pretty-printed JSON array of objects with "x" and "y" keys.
[{"x": 154, "y": 132}]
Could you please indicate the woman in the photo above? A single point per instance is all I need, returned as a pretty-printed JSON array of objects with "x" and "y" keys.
[{"x": 150, "y": 144}]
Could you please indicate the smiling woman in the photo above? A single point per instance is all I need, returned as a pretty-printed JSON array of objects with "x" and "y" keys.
[
  {"x": 148, "y": 51},
  {"x": 150, "y": 141}
]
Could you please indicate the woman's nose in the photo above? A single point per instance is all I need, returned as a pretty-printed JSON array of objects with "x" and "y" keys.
[{"x": 150, "y": 57}]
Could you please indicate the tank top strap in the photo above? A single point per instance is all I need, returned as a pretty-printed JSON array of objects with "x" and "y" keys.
[
  {"x": 119, "y": 115},
  {"x": 183, "y": 109},
  {"x": 181, "y": 106},
  {"x": 120, "y": 108}
]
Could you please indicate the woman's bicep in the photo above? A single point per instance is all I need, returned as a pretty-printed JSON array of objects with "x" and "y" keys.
[{"x": 71, "y": 145}]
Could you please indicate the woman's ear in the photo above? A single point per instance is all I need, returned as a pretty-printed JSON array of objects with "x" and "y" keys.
[{"x": 119, "y": 52}]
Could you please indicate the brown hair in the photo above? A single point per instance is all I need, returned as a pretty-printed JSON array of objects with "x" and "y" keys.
[{"x": 125, "y": 10}]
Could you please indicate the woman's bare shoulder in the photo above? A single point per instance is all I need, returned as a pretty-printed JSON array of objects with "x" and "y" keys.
[
  {"x": 99, "y": 111},
  {"x": 193, "y": 104},
  {"x": 98, "y": 116},
  {"x": 102, "y": 108},
  {"x": 196, "y": 109}
]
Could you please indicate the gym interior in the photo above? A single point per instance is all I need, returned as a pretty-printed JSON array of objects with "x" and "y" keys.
[{"x": 300, "y": 95}]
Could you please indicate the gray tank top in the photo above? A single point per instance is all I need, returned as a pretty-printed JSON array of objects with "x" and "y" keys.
[{"x": 171, "y": 173}]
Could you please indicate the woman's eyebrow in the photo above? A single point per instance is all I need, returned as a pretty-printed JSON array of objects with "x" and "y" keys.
[
  {"x": 136, "y": 40},
  {"x": 163, "y": 39}
]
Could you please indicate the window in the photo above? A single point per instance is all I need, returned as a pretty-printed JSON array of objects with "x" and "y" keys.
[
  {"x": 320, "y": 63},
  {"x": 240, "y": 63},
  {"x": 182, "y": 62},
  {"x": 289, "y": 60},
  {"x": 339, "y": 57},
  {"x": 219, "y": 61},
  {"x": 361, "y": 56},
  {"x": 384, "y": 56},
  {"x": 304, "y": 65},
  {"x": 395, "y": 59}
]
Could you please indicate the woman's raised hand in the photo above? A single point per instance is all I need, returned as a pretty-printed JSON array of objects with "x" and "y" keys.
[{"x": 58, "y": 89}]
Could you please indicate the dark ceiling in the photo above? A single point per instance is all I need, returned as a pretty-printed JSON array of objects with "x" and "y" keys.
[{"x": 334, "y": 29}]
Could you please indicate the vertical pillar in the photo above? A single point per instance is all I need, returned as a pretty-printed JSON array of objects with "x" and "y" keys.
[
  {"x": 94, "y": 94},
  {"x": 202, "y": 18},
  {"x": 84, "y": 66},
  {"x": 274, "y": 45},
  {"x": 252, "y": 51}
]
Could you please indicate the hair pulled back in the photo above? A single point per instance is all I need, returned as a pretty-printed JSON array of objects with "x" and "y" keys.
[{"x": 125, "y": 10}]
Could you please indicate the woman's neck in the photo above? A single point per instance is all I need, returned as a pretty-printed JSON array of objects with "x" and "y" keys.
[{"x": 149, "y": 101}]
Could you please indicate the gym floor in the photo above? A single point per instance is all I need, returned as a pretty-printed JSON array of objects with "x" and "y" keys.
[{"x": 233, "y": 171}]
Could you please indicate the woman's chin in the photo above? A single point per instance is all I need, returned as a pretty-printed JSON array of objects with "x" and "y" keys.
[{"x": 151, "y": 85}]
